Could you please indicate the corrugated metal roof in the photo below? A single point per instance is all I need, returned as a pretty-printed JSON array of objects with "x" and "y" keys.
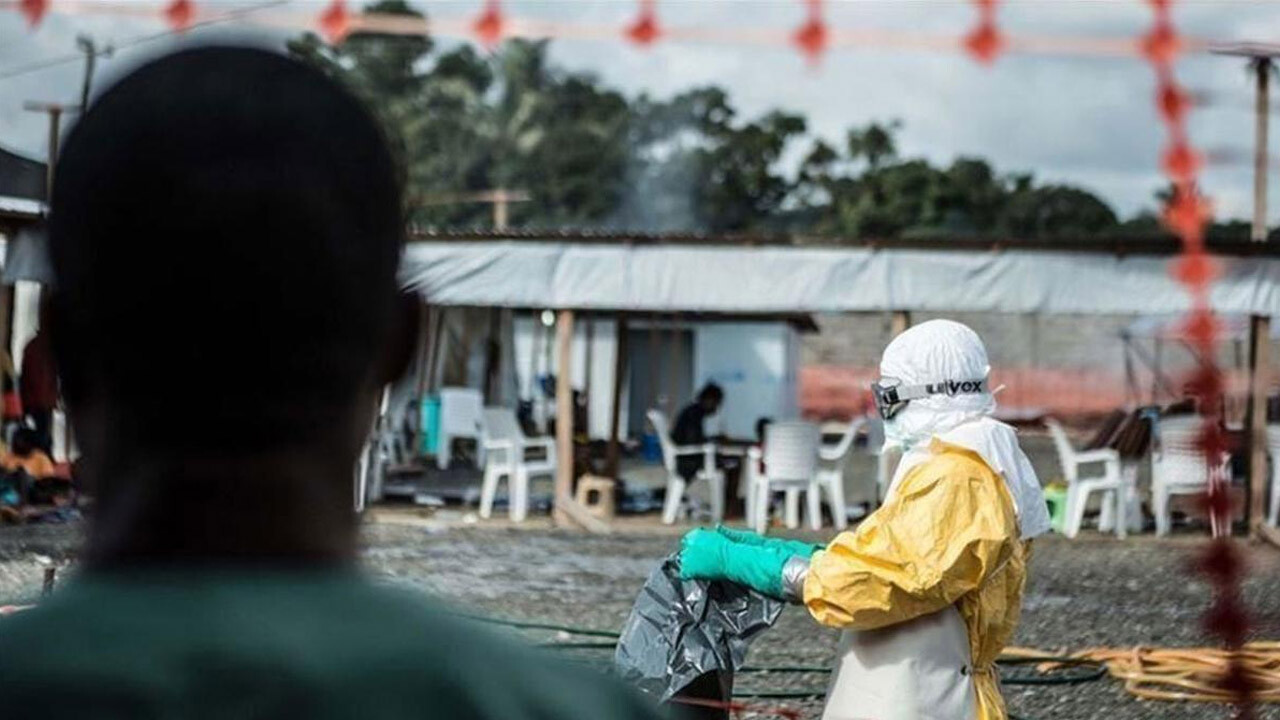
[{"x": 1119, "y": 246}]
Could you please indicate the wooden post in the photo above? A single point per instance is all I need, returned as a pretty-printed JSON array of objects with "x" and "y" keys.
[
  {"x": 1262, "y": 67},
  {"x": 899, "y": 321},
  {"x": 655, "y": 376},
  {"x": 1259, "y": 326},
  {"x": 564, "y": 417},
  {"x": 492, "y": 356},
  {"x": 615, "y": 409},
  {"x": 1256, "y": 414},
  {"x": 437, "y": 347},
  {"x": 1156, "y": 371},
  {"x": 6, "y": 319},
  {"x": 588, "y": 364}
]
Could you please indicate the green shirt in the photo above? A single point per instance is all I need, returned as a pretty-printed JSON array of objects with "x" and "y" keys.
[{"x": 282, "y": 645}]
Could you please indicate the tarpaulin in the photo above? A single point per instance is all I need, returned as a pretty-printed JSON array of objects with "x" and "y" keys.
[
  {"x": 683, "y": 633},
  {"x": 773, "y": 279}
]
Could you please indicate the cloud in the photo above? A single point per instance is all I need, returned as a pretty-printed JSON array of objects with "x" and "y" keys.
[{"x": 1089, "y": 122}]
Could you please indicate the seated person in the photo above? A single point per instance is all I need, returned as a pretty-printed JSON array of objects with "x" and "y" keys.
[
  {"x": 24, "y": 454},
  {"x": 690, "y": 429},
  {"x": 28, "y": 476}
]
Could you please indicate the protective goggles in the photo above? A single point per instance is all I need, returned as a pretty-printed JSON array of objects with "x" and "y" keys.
[{"x": 892, "y": 396}]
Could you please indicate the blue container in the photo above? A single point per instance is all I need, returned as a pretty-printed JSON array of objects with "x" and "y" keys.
[
  {"x": 430, "y": 424},
  {"x": 650, "y": 448}
]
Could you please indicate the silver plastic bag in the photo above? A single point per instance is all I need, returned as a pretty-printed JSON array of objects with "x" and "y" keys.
[{"x": 690, "y": 636}]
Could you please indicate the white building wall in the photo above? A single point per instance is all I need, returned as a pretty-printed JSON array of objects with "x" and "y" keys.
[
  {"x": 531, "y": 344},
  {"x": 756, "y": 364}
]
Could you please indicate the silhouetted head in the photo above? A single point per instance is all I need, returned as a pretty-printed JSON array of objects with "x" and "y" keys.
[
  {"x": 225, "y": 235},
  {"x": 710, "y": 397}
]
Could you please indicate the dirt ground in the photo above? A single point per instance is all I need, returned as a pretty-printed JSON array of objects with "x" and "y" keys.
[{"x": 1088, "y": 592}]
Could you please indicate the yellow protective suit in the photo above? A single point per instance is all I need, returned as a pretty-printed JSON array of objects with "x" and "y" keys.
[{"x": 948, "y": 535}]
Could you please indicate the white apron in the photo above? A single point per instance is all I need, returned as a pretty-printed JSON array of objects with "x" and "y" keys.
[
  {"x": 921, "y": 669},
  {"x": 915, "y": 670}
]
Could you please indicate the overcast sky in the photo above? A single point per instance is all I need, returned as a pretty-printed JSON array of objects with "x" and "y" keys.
[{"x": 1087, "y": 121}]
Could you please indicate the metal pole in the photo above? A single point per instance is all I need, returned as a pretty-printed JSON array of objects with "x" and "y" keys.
[{"x": 90, "y": 50}]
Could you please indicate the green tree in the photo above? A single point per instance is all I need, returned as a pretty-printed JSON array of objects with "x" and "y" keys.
[{"x": 462, "y": 121}]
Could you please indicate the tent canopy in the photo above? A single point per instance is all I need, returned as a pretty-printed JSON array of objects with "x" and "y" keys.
[{"x": 735, "y": 278}]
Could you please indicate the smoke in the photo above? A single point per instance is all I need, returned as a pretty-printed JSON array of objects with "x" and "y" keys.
[{"x": 661, "y": 192}]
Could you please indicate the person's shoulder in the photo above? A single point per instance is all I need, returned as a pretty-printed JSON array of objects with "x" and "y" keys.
[
  {"x": 490, "y": 674},
  {"x": 396, "y": 648},
  {"x": 951, "y": 469}
]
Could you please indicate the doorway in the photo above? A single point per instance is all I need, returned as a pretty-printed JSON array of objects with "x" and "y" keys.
[{"x": 660, "y": 366}]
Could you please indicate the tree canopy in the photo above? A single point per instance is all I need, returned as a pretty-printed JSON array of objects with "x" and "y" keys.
[{"x": 592, "y": 158}]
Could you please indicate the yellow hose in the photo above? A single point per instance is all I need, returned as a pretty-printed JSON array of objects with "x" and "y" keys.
[{"x": 1188, "y": 674}]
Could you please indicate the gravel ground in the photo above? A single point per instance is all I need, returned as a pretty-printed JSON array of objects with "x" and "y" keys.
[{"x": 1088, "y": 592}]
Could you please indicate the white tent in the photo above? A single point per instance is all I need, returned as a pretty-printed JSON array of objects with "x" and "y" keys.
[
  {"x": 771, "y": 279},
  {"x": 738, "y": 276}
]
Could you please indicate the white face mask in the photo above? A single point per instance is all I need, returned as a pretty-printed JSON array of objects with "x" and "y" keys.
[
  {"x": 897, "y": 437},
  {"x": 916, "y": 424}
]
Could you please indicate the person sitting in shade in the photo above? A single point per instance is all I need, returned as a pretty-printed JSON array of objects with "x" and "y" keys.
[{"x": 691, "y": 427}]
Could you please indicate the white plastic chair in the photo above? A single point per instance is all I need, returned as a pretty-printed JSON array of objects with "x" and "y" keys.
[
  {"x": 1110, "y": 483},
  {"x": 676, "y": 484},
  {"x": 506, "y": 455},
  {"x": 830, "y": 473},
  {"x": 1178, "y": 467},
  {"x": 460, "y": 417},
  {"x": 790, "y": 464},
  {"x": 1273, "y": 448}
]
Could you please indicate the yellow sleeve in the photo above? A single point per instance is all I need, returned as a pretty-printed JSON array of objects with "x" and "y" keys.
[{"x": 949, "y": 526}]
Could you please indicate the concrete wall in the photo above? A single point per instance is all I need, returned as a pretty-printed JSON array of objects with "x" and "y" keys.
[{"x": 1056, "y": 364}]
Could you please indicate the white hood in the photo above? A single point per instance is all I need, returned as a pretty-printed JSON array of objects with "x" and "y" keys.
[{"x": 939, "y": 351}]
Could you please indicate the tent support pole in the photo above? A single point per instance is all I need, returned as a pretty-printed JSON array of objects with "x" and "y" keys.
[
  {"x": 492, "y": 362},
  {"x": 567, "y": 512},
  {"x": 564, "y": 417},
  {"x": 615, "y": 408},
  {"x": 6, "y": 320},
  {"x": 899, "y": 321},
  {"x": 1259, "y": 386}
]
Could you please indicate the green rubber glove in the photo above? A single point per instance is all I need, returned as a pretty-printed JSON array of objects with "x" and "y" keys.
[
  {"x": 747, "y": 537},
  {"x": 708, "y": 555}
]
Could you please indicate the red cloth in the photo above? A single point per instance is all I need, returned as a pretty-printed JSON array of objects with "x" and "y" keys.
[
  {"x": 38, "y": 383},
  {"x": 12, "y": 406}
]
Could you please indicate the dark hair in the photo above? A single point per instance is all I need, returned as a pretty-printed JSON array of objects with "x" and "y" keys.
[
  {"x": 225, "y": 231},
  {"x": 25, "y": 441},
  {"x": 761, "y": 425},
  {"x": 710, "y": 392}
]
